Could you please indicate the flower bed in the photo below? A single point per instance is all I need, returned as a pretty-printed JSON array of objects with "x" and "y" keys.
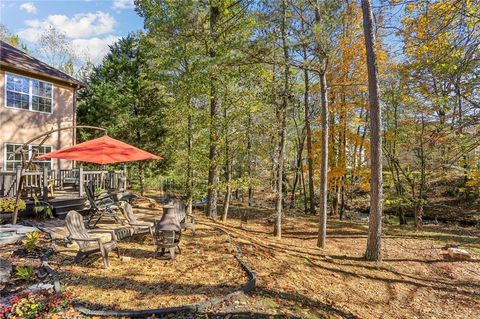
[
  {"x": 27, "y": 269},
  {"x": 38, "y": 304}
]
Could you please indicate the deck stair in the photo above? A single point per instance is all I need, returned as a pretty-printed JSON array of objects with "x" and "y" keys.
[{"x": 63, "y": 205}]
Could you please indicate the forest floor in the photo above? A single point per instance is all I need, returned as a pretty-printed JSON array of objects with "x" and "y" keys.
[
  {"x": 415, "y": 279},
  {"x": 295, "y": 279}
]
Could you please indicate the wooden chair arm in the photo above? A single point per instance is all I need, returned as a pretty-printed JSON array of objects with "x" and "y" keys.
[
  {"x": 107, "y": 231},
  {"x": 140, "y": 224},
  {"x": 98, "y": 240},
  {"x": 86, "y": 239}
]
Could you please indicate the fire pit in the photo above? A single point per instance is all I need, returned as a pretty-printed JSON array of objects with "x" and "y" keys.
[{"x": 167, "y": 232}]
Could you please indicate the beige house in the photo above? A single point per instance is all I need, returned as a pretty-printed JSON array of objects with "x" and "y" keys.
[{"x": 34, "y": 98}]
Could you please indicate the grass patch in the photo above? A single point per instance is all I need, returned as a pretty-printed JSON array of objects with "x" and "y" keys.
[{"x": 270, "y": 303}]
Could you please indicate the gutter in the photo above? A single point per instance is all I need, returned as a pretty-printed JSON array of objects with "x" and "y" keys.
[{"x": 71, "y": 82}]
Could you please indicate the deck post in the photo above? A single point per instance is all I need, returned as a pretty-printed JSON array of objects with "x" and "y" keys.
[
  {"x": 60, "y": 179},
  {"x": 124, "y": 179},
  {"x": 80, "y": 181},
  {"x": 45, "y": 184}
]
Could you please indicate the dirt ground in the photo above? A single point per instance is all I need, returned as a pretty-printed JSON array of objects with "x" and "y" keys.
[
  {"x": 295, "y": 279},
  {"x": 415, "y": 280},
  {"x": 206, "y": 268}
]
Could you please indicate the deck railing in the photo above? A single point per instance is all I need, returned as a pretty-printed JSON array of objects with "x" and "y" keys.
[
  {"x": 38, "y": 183},
  {"x": 8, "y": 184},
  {"x": 60, "y": 175}
]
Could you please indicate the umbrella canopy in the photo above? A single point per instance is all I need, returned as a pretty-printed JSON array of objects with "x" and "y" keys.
[{"x": 102, "y": 150}]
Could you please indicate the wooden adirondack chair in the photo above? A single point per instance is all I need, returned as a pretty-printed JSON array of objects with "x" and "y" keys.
[
  {"x": 187, "y": 221},
  {"x": 86, "y": 243},
  {"x": 138, "y": 228}
]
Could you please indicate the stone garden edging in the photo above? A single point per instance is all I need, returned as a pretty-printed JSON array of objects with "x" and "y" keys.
[{"x": 44, "y": 261}]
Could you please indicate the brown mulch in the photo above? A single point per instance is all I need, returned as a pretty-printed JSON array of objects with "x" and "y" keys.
[
  {"x": 205, "y": 269},
  {"x": 18, "y": 256},
  {"x": 415, "y": 280},
  {"x": 295, "y": 278}
]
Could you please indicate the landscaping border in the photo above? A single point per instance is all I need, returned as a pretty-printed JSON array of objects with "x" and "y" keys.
[
  {"x": 44, "y": 258},
  {"x": 247, "y": 287},
  {"x": 50, "y": 271}
]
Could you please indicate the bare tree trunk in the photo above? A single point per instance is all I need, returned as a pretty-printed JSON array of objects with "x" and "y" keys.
[
  {"x": 322, "y": 232},
  {"x": 249, "y": 159},
  {"x": 228, "y": 177},
  {"x": 333, "y": 156},
  {"x": 323, "y": 61},
  {"x": 342, "y": 153},
  {"x": 298, "y": 168},
  {"x": 189, "y": 164},
  {"x": 213, "y": 154},
  {"x": 421, "y": 190},
  {"x": 304, "y": 192},
  {"x": 311, "y": 189},
  {"x": 141, "y": 177},
  {"x": 374, "y": 242},
  {"x": 283, "y": 124},
  {"x": 298, "y": 163}
]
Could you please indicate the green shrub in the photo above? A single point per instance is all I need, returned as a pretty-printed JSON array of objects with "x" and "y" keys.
[
  {"x": 42, "y": 209},
  {"x": 25, "y": 273},
  {"x": 99, "y": 192},
  {"x": 31, "y": 242},
  {"x": 7, "y": 205}
]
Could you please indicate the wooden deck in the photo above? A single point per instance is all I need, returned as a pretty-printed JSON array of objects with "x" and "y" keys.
[{"x": 41, "y": 183}]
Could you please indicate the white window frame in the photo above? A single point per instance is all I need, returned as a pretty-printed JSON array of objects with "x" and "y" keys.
[
  {"x": 30, "y": 150},
  {"x": 30, "y": 94}
]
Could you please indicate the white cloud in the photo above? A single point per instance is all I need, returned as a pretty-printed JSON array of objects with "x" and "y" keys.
[
  {"x": 122, "y": 4},
  {"x": 29, "y": 7},
  {"x": 93, "y": 49},
  {"x": 81, "y": 25}
]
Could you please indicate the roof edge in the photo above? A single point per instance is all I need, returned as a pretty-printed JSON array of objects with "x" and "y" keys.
[{"x": 79, "y": 84}]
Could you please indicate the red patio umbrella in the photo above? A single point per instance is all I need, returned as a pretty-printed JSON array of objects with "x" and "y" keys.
[{"x": 102, "y": 150}]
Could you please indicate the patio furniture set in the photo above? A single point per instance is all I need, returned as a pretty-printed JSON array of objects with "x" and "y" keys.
[{"x": 166, "y": 232}]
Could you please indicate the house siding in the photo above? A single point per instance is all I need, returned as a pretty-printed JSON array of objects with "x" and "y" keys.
[{"x": 19, "y": 126}]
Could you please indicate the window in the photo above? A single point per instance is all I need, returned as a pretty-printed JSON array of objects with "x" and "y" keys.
[
  {"x": 28, "y": 94},
  {"x": 40, "y": 151},
  {"x": 13, "y": 160}
]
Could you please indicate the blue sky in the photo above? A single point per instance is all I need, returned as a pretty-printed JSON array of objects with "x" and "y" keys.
[{"x": 90, "y": 25}]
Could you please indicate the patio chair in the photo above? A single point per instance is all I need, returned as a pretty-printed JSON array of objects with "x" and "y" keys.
[
  {"x": 102, "y": 207},
  {"x": 166, "y": 239},
  {"x": 187, "y": 221},
  {"x": 138, "y": 228},
  {"x": 87, "y": 244}
]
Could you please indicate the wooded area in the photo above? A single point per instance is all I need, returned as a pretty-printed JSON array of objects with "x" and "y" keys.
[
  {"x": 250, "y": 99},
  {"x": 308, "y": 137}
]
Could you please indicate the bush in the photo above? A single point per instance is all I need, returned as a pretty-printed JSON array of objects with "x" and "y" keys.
[
  {"x": 32, "y": 305},
  {"x": 25, "y": 273},
  {"x": 31, "y": 242},
  {"x": 7, "y": 205},
  {"x": 42, "y": 209}
]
